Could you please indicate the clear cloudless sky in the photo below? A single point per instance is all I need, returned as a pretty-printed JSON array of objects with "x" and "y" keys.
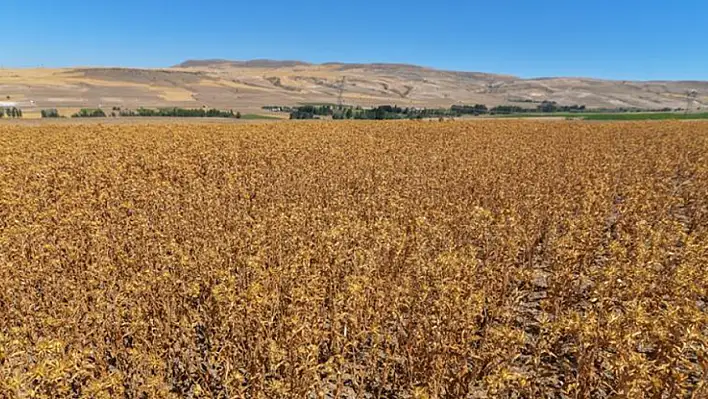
[{"x": 619, "y": 39}]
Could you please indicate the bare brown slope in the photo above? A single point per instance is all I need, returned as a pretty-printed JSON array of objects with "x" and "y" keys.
[{"x": 248, "y": 85}]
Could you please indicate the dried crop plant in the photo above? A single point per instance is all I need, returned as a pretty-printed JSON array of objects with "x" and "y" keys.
[{"x": 500, "y": 259}]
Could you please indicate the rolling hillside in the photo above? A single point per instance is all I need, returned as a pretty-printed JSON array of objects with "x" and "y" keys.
[{"x": 248, "y": 85}]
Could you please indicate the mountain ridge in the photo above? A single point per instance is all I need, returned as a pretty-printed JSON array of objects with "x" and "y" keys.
[{"x": 267, "y": 62}]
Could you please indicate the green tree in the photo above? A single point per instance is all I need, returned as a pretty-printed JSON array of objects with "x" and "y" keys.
[
  {"x": 50, "y": 113},
  {"x": 349, "y": 114},
  {"x": 90, "y": 113},
  {"x": 238, "y": 115}
]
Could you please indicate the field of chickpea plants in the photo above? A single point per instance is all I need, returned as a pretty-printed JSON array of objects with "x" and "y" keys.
[{"x": 498, "y": 259}]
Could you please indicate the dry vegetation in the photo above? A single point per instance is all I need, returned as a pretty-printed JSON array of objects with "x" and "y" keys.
[{"x": 396, "y": 260}]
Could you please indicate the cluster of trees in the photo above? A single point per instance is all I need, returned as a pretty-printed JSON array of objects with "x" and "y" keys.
[
  {"x": 543, "y": 107},
  {"x": 302, "y": 115},
  {"x": 162, "y": 112},
  {"x": 624, "y": 109},
  {"x": 182, "y": 113},
  {"x": 312, "y": 111},
  {"x": 552, "y": 106},
  {"x": 90, "y": 113},
  {"x": 396, "y": 112},
  {"x": 50, "y": 113},
  {"x": 509, "y": 109},
  {"x": 477, "y": 109},
  {"x": 382, "y": 112},
  {"x": 11, "y": 112},
  {"x": 320, "y": 110}
]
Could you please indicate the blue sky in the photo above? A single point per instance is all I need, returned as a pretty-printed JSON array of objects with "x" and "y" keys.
[{"x": 621, "y": 39}]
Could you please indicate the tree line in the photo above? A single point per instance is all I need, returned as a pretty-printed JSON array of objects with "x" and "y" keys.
[
  {"x": 173, "y": 112},
  {"x": 311, "y": 111},
  {"x": 181, "y": 113},
  {"x": 383, "y": 112},
  {"x": 90, "y": 113},
  {"x": 10, "y": 112}
]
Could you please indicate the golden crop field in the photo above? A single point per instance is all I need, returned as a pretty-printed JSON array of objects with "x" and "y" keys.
[{"x": 500, "y": 259}]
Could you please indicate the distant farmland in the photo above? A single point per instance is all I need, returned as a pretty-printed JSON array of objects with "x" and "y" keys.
[
  {"x": 612, "y": 116},
  {"x": 646, "y": 116}
]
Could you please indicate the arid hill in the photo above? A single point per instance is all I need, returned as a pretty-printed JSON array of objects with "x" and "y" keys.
[{"x": 248, "y": 85}]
